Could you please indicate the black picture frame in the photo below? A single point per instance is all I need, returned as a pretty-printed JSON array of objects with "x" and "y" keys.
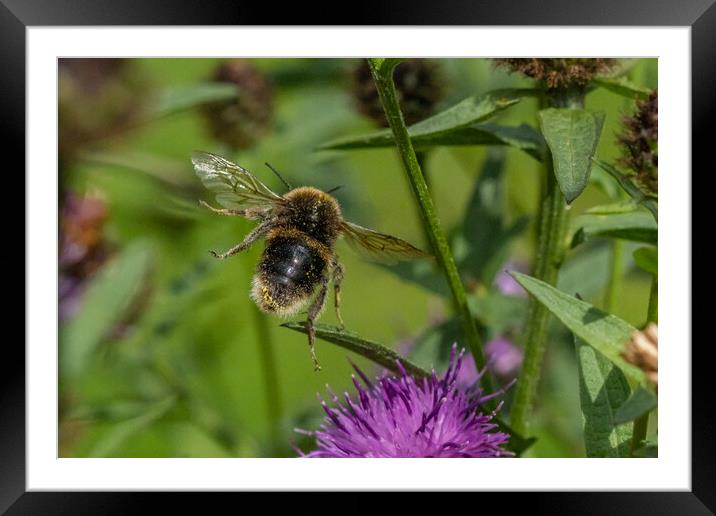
[{"x": 17, "y": 15}]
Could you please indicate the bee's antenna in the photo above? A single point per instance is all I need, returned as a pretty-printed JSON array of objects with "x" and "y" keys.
[
  {"x": 334, "y": 189},
  {"x": 279, "y": 176}
]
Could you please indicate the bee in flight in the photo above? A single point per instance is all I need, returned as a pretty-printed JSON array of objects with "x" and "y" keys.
[{"x": 300, "y": 229}]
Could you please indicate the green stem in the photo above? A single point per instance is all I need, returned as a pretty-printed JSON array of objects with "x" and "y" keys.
[
  {"x": 550, "y": 252},
  {"x": 422, "y": 157},
  {"x": 382, "y": 72},
  {"x": 652, "y": 314},
  {"x": 616, "y": 274},
  {"x": 641, "y": 423}
]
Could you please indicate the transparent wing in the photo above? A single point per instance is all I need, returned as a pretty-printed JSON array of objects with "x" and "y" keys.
[
  {"x": 234, "y": 186},
  {"x": 379, "y": 246}
]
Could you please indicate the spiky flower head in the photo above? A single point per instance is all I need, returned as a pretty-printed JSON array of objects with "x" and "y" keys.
[
  {"x": 401, "y": 416},
  {"x": 559, "y": 73},
  {"x": 418, "y": 83},
  {"x": 240, "y": 122},
  {"x": 639, "y": 141}
]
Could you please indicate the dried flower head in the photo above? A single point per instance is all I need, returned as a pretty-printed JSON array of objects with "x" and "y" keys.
[
  {"x": 240, "y": 122},
  {"x": 643, "y": 351},
  {"x": 97, "y": 98},
  {"x": 418, "y": 84},
  {"x": 639, "y": 141},
  {"x": 559, "y": 73},
  {"x": 400, "y": 416}
]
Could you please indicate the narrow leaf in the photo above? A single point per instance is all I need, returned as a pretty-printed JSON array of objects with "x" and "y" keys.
[
  {"x": 622, "y": 86},
  {"x": 572, "y": 136},
  {"x": 647, "y": 259},
  {"x": 179, "y": 99},
  {"x": 605, "y": 332},
  {"x": 629, "y": 187},
  {"x": 637, "y": 226},
  {"x": 641, "y": 402},
  {"x": 104, "y": 303},
  {"x": 371, "y": 350},
  {"x": 458, "y": 125},
  {"x": 602, "y": 390}
]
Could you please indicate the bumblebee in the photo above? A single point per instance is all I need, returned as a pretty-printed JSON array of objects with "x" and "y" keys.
[{"x": 300, "y": 229}]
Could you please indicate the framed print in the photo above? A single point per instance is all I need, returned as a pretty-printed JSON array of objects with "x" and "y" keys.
[{"x": 456, "y": 247}]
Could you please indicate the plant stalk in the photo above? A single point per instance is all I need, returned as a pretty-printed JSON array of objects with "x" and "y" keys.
[
  {"x": 382, "y": 75},
  {"x": 550, "y": 253},
  {"x": 641, "y": 424}
]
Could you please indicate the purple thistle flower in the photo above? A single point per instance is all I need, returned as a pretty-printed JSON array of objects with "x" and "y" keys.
[{"x": 400, "y": 416}]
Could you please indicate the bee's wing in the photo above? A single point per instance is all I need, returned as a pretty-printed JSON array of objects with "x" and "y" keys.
[
  {"x": 379, "y": 246},
  {"x": 234, "y": 186}
]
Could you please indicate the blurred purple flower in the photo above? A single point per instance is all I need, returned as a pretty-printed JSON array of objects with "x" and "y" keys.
[
  {"x": 504, "y": 359},
  {"x": 82, "y": 248},
  {"x": 400, "y": 416},
  {"x": 505, "y": 283}
]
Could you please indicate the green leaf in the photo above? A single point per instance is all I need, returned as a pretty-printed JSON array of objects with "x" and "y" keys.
[
  {"x": 629, "y": 187},
  {"x": 642, "y": 401},
  {"x": 572, "y": 136},
  {"x": 181, "y": 98},
  {"x": 637, "y": 226},
  {"x": 647, "y": 258},
  {"x": 106, "y": 300},
  {"x": 353, "y": 342},
  {"x": 458, "y": 125},
  {"x": 607, "y": 333},
  {"x": 602, "y": 390},
  {"x": 623, "y": 86},
  {"x": 120, "y": 432}
]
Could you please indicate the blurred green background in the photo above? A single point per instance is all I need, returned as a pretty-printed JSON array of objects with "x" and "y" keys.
[{"x": 163, "y": 353}]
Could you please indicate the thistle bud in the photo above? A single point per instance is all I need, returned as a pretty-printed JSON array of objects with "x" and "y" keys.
[
  {"x": 643, "y": 351},
  {"x": 418, "y": 84},
  {"x": 639, "y": 142},
  {"x": 559, "y": 73},
  {"x": 240, "y": 122}
]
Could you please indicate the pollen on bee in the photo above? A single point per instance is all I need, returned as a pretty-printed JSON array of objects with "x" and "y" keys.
[{"x": 261, "y": 293}]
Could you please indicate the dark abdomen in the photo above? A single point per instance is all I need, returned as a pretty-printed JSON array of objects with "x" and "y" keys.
[{"x": 290, "y": 268}]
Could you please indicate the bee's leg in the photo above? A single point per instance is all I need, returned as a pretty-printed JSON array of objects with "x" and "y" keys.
[
  {"x": 224, "y": 211},
  {"x": 337, "y": 279},
  {"x": 313, "y": 311},
  {"x": 257, "y": 233}
]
